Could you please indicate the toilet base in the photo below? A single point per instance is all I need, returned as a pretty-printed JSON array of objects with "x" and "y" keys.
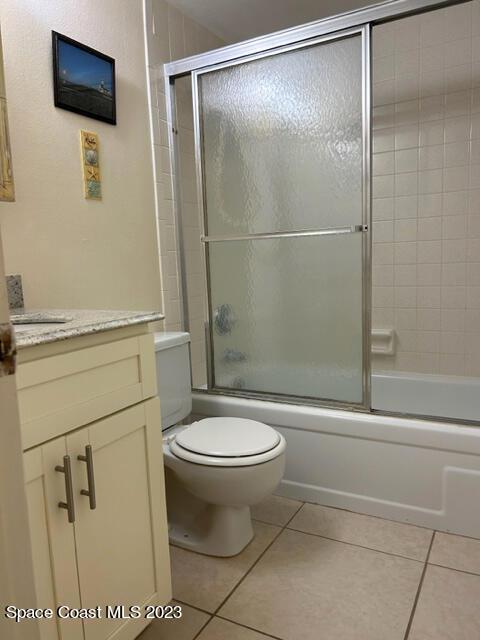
[{"x": 215, "y": 531}]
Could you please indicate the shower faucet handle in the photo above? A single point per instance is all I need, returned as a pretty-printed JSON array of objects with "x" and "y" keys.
[{"x": 224, "y": 319}]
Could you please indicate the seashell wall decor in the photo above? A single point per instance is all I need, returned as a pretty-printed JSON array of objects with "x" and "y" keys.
[{"x": 91, "y": 165}]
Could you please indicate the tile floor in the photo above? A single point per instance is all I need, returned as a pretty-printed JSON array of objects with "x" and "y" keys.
[{"x": 314, "y": 573}]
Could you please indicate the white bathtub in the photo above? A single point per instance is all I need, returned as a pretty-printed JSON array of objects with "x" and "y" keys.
[
  {"x": 455, "y": 397},
  {"x": 419, "y": 471}
]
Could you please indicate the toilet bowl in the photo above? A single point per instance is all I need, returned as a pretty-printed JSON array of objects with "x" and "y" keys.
[
  {"x": 211, "y": 484},
  {"x": 215, "y": 468}
]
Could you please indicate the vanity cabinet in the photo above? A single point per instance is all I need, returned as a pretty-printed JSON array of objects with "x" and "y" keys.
[{"x": 110, "y": 547}]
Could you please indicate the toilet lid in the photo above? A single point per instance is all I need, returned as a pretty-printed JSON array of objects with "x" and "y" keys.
[{"x": 228, "y": 437}]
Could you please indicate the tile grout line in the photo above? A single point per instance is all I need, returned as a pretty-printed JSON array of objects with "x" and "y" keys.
[
  {"x": 232, "y": 591},
  {"x": 419, "y": 589},
  {"x": 369, "y": 515},
  {"x": 203, "y": 627},
  {"x": 282, "y": 529},
  {"x": 193, "y": 606},
  {"x": 239, "y": 624},
  {"x": 358, "y": 546},
  {"x": 444, "y": 566},
  {"x": 209, "y": 613}
]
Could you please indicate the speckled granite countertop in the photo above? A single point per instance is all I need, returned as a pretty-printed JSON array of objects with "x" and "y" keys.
[{"x": 79, "y": 322}]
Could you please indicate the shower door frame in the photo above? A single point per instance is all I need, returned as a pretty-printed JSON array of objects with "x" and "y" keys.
[
  {"x": 363, "y": 227},
  {"x": 358, "y": 22}
]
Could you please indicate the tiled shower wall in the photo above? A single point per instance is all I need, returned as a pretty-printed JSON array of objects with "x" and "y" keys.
[
  {"x": 170, "y": 36},
  {"x": 426, "y": 190}
]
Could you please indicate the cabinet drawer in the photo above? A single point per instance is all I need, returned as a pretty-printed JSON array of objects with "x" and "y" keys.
[{"x": 62, "y": 392}]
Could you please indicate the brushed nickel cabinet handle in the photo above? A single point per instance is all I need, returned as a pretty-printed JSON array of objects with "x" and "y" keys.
[
  {"x": 69, "y": 504},
  {"x": 88, "y": 458}
]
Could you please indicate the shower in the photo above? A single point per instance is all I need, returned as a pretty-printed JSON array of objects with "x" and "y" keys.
[{"x": 327, "y": 212}]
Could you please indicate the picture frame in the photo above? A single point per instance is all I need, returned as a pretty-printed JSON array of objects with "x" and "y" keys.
[
  {"x": 83, "y": 79},
  {"x": 7, "y": 188}
]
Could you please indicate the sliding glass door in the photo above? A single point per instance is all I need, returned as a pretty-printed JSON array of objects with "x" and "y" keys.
[{"x": 281, "y": 143}]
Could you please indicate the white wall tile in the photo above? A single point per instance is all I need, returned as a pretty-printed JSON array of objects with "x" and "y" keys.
[
  {"x": 453, "y": 319},
  {"x": 473, "y": 274},
  {"x": 405, "y": 160},
  {"x": 406, "y": 136},
  {"x": 451, "y": 364},
  {"x": 429, "y": 251},
  {"x": 430, "y": 228},
  {"x": 429, "y": 204},
  {"x": 429, "y": 274},
  {"x": 430, "y": 181},
  {"x": 432, "y": 108},
  {"x": 383, "y": 44},
  {"x": 458, "y": 21},
  {"x": 455, "y": 203},
  {"x": 383, "y": 186},
  {"x": 428, "y": 297},
  {"x": 473, "y": 297},
  {"x": 432, "y": 57},
  {"x": 458, "y": 52},
  {"x": 452, "y": 342},
  {"x": 432, "y": 28},
  {"x": 457, "y": 154},
  {"x": 431, "y": 157},
  {"x": 454, "y": 274},
  {"x": 384, "y": 140},
  {"x": 454, "y": 227},
  {"x": 455, "y": 178},
  {"x": 428, "y": 319},
  {"x": 406, "y": 184},
  {"x": 457, "y": 129},
  {"x": 405, "y": 319},
  {"x": 405, "y": 207},
  {"x": 382, "y": 253},
  {"x": 405, "y": 230},
  {"x": 382, "y": 208},
  {"x": 428, "y": 341},
  {"x": 382, "y": 276},
  {"x": 405, "y": 275},
  {"x": 382, "y": 296},
  {"x": 383, "y": 163},
  {"x": 454, "y": 297},
  {"x": 405, "y": 252},
  {"x": 383, "y": 231},
  {"x": 405, "y": 297},
  {"x": 454, "y": 250}
]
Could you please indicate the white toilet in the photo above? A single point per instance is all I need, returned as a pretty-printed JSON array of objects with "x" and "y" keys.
[{"x": 216, "y": 468}]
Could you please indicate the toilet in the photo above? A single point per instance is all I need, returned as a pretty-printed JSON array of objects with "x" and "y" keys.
[{"x": 216, "y": 468}]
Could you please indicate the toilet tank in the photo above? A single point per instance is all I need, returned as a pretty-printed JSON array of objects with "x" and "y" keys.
[{"x": 172, "y": 355}]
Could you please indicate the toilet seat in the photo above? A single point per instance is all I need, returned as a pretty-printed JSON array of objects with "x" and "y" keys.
[{"x": 227, "y": 442}]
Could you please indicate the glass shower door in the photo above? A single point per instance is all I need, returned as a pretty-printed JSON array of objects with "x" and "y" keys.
[{"x": 280, "y": 148}]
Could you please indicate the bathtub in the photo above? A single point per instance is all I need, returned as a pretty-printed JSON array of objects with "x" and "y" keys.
[
  {"x": 424, "y": 472},
  {"x": 455, "y": 397}
]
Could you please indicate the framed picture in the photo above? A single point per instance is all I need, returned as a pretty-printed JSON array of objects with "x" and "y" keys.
[{"x": 83, "y": 79}]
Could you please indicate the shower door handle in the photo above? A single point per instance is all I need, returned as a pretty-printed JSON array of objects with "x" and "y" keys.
[{"x": 302, "y": 233}]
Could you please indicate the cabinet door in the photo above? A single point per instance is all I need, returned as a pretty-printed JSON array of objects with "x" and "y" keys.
[
  {"x": 52, "y": 537},
  {"x": 122, "y": 545}
]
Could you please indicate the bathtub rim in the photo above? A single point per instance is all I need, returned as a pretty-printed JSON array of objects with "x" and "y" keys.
[{"x": 405, "y": 429}]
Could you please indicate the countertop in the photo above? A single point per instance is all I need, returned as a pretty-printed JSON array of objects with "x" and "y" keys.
[{"x": 80, "y": 322}]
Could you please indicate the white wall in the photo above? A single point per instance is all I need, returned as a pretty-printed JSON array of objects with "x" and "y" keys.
[
  {"x": 73, "y": 252},
  {"x": 426, "y": 189}
]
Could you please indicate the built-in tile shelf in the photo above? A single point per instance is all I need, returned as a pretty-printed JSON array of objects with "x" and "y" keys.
[{"x": 383, "y": 342}]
